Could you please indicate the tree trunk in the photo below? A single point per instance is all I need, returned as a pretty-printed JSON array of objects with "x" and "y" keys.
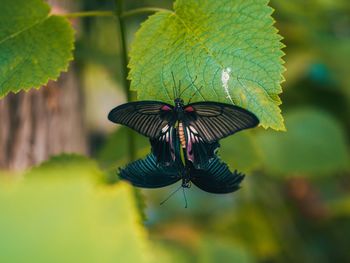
[{"x": 40, "y": 123}]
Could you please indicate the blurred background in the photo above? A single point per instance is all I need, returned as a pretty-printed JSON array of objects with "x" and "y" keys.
[{"x": 294, "y": 205}]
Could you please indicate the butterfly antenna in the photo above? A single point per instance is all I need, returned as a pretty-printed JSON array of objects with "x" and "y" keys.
[
  {"x": 197, "y": 91},
  {"x": 183, "y": 191},
  {"x": 169, "y": 196},
  {"x": 179, "y": 89},
  {"x": 174, "y": 86},
  {"x": 191, "y": 84}
]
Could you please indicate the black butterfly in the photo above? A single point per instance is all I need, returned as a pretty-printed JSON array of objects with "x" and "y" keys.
[
  {"x": 200, "y": 125},
  {"x": 213, "y": 177}
]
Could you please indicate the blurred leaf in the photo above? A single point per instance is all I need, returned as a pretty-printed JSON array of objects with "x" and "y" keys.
[
  {"x": 113, "y": 155},
  {"x": 59, "y": 214},
  {"x": 336, "y": 53},
  {"x": 240, "y": 152},
  {"x": 34, "y": 46},
  {"x": 217, "y": 250},
  {"x": 320, "y": 28},
  {"x": 252, "y": 229},
  {"x": 94, "y": 46},
  {"x": 229, "y": 47},
  {"x": 173, "y": 253},
  {"x": 340, "y": 207},
  {"x": 69, "y": 162},
  {"x": 298, "y": 63},
  {"x": 98, "y": 87},
  {"x": 314, "y": 144},
  {"x": 114, "y": 152}
]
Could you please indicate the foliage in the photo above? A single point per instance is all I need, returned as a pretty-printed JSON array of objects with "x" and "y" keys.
[
  {"x": 315, "y": 144},
  {"x": 34, "y": 45},
  {"x": 228, "y": 47},
  {"x": 294, "y": 201},
  {"x": 214, "y": 250},
  {"x": 241, "y": 151},
  {"x": 114, "y": 151},
  {"x": 59, "y": 213}
]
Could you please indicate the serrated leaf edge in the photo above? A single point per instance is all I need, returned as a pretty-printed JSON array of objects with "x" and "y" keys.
[{"x": 64, "y": 69}]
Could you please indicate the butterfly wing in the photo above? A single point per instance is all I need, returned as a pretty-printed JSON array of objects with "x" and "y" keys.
[
  {"x": 147, "y": 174},
  {"x": 213, "y": 121},
  {"x": 198, "y": 151},
  {"x": 145, "y": 117},
  {"x": 216, "y": 178},
  {"x": 164, "y": 147}
]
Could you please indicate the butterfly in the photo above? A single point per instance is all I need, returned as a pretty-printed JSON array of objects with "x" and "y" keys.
[
  {"x": 200, "y": 125},
  {"x": 213, "y": 177}
]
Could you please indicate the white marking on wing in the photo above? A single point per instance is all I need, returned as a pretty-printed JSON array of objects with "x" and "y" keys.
[
  {"x": 192, "y": 137},
  {"x": 193, "y": 130},
  {"x": 167, "y": 137},
  {"x": 165, "y": 128}
]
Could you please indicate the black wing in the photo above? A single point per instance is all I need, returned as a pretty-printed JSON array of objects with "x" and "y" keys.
[
  {"x": 147, "y": 174},
  {"x": 164, "y": 147},
  {"x": 167, "y": 148},
  {"x": 145, "y": 117},
  {"x": 216, "y": 178},
  {"x": 198, "y": 151},
  {"x": 214, "y": 121}
]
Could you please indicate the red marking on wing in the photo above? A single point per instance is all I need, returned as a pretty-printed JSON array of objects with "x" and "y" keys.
[
  {"x": 189, "y": 109},
  {"x": 165, "y": 108}
]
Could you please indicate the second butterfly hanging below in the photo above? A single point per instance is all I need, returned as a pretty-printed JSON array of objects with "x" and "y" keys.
[{"x": 214, "y": 177}]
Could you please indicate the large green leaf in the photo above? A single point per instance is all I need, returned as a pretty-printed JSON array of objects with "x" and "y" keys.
[
  {"x": 314, "y": 144},
  {"x": 240, "y": 152},
  {"x": 34, "y": 46},
  {"x": 229, "y": 47},
  {"x": 59, "y": 213}
]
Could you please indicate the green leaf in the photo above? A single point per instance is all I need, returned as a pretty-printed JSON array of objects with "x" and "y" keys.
[
  {"x": 229, "y": 47},
  {"x": 240, "y": 152},
  {"x": 314, "y": 144},
  {"x": 58, "y": 213},
  {"x": 216, "y": 250},
  {"x": 114, "y": 151},
  {"x": 34, "y": 46}
]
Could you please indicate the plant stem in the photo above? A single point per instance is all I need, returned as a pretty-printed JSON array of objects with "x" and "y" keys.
[
  {"x": 143, "y": 10},
  {"x": 126, "y": 14},
  {"x": 120, "y": 15},
  {"x": 124, "y": 68},
  {"x": 89, "y": 14}
]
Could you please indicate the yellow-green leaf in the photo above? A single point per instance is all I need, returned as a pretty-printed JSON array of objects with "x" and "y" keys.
[
  {"x": 34, "y": 46},
  {"x": 59, "y": 213},
  {"x": 314, "y": 144},
  {"x": 229, "y": 47}
]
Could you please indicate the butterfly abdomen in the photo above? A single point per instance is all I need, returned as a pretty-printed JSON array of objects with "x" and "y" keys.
[{"x": 182, "y": 135}]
